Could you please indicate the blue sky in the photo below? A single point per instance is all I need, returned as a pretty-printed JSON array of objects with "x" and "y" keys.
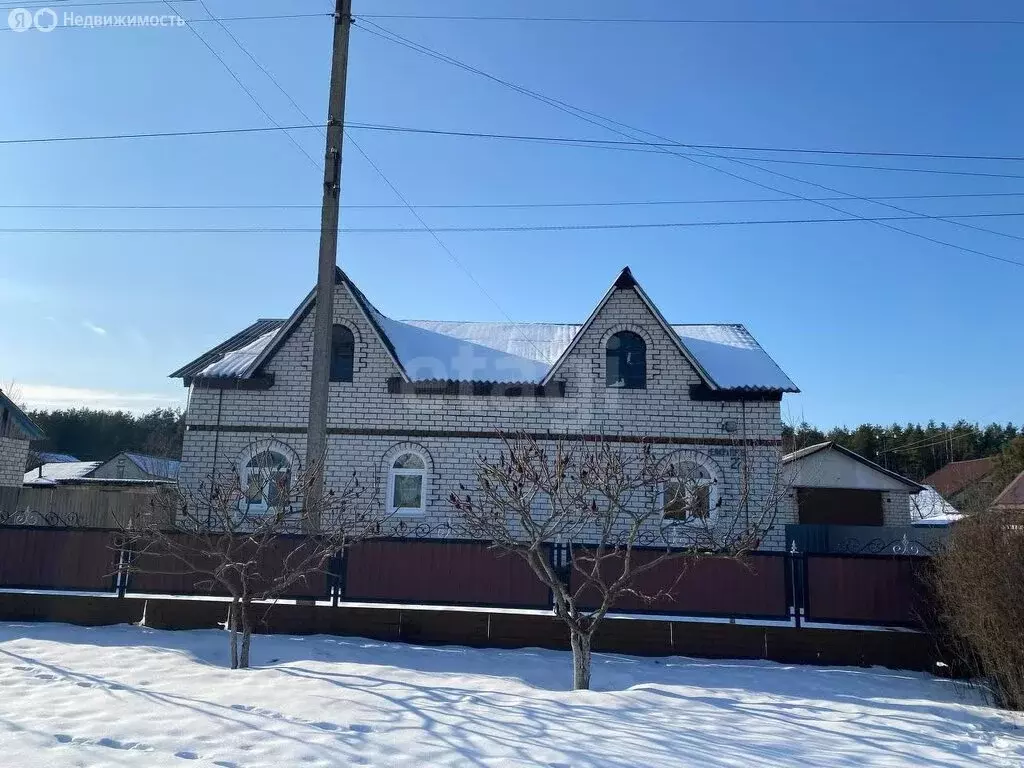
[{"x": 872, "y": 324}]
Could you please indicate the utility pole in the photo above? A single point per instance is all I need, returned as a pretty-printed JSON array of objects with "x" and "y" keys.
[{"x": 319, "y": 384}]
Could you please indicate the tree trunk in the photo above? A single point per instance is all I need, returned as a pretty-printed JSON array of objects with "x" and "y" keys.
[
  {"x": 233, "y": 628},
  {"x": 246, "y": 635},
  {"x": 580, "y": 660}
]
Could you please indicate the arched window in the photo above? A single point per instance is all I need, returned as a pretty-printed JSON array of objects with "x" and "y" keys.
[
  {"x": 343, "y": 350},
  {"x": 691, "y": 492},
  {"x": 266, "y": 480},
  {"x": 626, "y": 357},
  {"x": 407, "y": 484}
]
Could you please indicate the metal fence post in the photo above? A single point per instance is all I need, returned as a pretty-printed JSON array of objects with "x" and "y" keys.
[
  {"x": 797, "y": 585},
  {"x": 339, "y": 564}
]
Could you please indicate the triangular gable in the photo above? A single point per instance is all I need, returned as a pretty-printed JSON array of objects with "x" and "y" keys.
[
  {"x": 30, "y": 429},
  {"x": 367, "y": 310},
  {"x": 626, "y": 281},
  {"x": 792, "y": 461}
]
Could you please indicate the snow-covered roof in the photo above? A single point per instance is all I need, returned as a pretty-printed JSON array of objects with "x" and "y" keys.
[
  {"x": 500, "y": 352},
  {"x": 728, "y": 353},
  {"x": 57, "y": 472},
  {"x": 235, "y": 362},
  {"x": 157, "y": 466},
  {"x": 929, "y": 508},
  {"x": 428, "y": 355}
]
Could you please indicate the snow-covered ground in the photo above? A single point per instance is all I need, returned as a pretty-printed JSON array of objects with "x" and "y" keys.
[{"x": 131, "y": 696}]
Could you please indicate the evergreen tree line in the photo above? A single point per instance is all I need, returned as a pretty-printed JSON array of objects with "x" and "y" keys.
[
  {"x": 94, "y": 435},
  {"x": 913, "y": 450}
]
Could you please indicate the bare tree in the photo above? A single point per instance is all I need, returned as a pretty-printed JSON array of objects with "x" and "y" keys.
[
  {"x": 255, "y": 538},
  {"x": 977, "y": 581},
  {"x": 614, "y": 499}
]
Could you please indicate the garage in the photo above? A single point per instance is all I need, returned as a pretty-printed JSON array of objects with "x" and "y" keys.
[{"x": 833, "y": 485}]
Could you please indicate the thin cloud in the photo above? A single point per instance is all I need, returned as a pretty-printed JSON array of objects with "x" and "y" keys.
[
  {"x": 51, "y": 397},
  {"x": 94, "y": 328}
]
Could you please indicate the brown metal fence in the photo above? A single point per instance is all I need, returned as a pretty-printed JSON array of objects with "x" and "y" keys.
[
  {"x": 160, "y": 573},
  {"x": 848, "y": 589},
  {"x": 754, "y": 587},
  {"x": 864, "y": 589},
  {"x": 439, "y": 572},
  {"x": 49, "y": 558}
]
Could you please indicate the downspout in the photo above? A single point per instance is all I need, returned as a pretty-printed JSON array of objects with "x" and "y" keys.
[
  {"x": 216, "y": 448},
  {"x": 746, "y": 468}
]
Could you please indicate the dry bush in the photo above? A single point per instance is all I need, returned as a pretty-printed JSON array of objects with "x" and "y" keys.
[{"x": 977, "y": 583}]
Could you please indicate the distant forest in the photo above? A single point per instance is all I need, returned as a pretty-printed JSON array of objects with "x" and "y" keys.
[
  {"x": 93, "y": 435},
  {"x": 912, "y": 450}
]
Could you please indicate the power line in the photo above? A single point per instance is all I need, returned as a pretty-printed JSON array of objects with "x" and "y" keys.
[
  {"x": 486, "y": 206},
  {"x": 603, "y": 122},
  {"x": 433, "y": 233},
  {"x": 654, "y": 144},
  {"x": 497, "y": 228},
  {"x": 158, "y": 134},
  {"x": 635, "y": 146},
  {"x": 248, "y": 92},
  {"x": 641, "y": 20}
]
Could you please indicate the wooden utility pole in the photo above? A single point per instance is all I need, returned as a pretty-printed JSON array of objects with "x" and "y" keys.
[{"x": 319, "y": 385}]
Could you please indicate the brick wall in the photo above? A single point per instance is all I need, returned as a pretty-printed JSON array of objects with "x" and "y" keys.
[
  {"x": 13, "y": 457},
  {"x": 366, "y": 423}
]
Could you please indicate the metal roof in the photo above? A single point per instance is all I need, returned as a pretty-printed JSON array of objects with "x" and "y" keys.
[
  {"x": 158, "y": 466},
  {"x": 803, "y": 453},
  {"x": 64, "y": 471},
  {"x": 505, "y": 352},
  {"x": 239, "y": 340}
]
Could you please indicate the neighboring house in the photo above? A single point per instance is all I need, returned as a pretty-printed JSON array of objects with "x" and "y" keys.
[
  {"x": 413, "y": 404},
  {"x": 965, "y": 484},
  {"x": 832, "y": 485},
  {"x": 38, "y": 458},
  {"x": 17, "y": 430},
  {"x": 929, "y": 508},
  {"x": 1012, "y": 496},
  {"x": 59, "y": 473},
  {"x": 137, "y": 466}
]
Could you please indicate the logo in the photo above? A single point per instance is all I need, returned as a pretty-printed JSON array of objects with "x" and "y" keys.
[
  {"x": 22, "y": 19},
  {"x": 45, "y": 19}
]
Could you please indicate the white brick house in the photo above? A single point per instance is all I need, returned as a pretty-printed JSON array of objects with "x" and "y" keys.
[
  {"x": 413, "y": 404},
  {"x": 17, "y": 430}
]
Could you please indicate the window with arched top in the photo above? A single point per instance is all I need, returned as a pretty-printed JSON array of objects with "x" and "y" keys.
[
  {"x": 626, "y": 361},
  {"x": 343, "y": 352},
  {"x": 407, "y": 484},
  {"x": 266, "y": 481},
  {"x": 691, "y": 491}
]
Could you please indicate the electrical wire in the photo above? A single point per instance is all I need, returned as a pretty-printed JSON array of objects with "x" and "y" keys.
[
  {"x": 497, "y": 228},
  {"x": 603, "y": 122},
  {"x": 488, "y": 206},
  {"x": 247, "y": 91}
]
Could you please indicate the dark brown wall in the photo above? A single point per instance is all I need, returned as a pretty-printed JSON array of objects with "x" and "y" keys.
[{"x": 839, "y": 506}]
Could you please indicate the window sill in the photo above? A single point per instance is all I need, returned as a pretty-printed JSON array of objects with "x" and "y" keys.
[{"x": 405, "y": 512}]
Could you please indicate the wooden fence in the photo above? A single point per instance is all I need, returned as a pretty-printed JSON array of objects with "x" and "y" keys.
[
  {"x": 849, "y": 589},
  {"x": 92, "y": 506}
]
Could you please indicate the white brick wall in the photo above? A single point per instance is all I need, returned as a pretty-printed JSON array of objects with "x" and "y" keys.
[
  {"x": 13, "y": 457},
  {"x": 366, "y": 421}
]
